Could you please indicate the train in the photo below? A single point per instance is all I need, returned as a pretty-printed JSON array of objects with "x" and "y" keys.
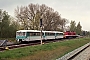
[
  {"x": 70, "y": 34},
  {"x": 34, "y": 35}
]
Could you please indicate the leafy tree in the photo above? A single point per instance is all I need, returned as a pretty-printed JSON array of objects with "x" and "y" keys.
[
  {"x": 13, "y": 27},
  {"x": 78, "y": 28},
  {"x": 4, "y": 24},
  {"x": 73, "y": 26},
  {"x": 8, "y": 26}
]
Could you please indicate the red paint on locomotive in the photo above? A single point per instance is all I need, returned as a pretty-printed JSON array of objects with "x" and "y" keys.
[{"x": 69, "y": 34}]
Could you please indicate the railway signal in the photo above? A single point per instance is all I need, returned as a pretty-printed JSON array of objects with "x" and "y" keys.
[{"x": 40, "y": 22}]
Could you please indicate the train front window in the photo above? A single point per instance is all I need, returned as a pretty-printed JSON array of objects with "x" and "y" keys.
[{"x": 20, "y": 33}]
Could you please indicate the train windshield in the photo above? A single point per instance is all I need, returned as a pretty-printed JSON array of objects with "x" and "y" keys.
[{"x": 20, "y": 34}]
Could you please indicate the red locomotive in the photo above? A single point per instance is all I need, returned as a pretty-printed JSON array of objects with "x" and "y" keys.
[{"x": 69, "y": 34}]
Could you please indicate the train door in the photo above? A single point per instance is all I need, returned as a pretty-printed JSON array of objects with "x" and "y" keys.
[{"x": 28, "y": 36}]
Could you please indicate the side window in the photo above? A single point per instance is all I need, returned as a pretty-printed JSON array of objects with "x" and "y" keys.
[
  {"x": 31, "y": 34},
  {"x": 34, "y": 34},
  {"x": 46, "y": 34},
  {"x": 49, "y": 34},
  {"x": 59, "y": 33},
  {"x": 38, "y": 34},
  {"x": 52, "y": 34}
]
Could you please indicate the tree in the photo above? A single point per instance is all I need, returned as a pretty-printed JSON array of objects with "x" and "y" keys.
[
  {"x": 8, "y": 26},
  {"x": 73, "y": 26},
  {"x": 51, "y": 20},
  {"x": 78, "y": 28},
  {"x": 4, "y": 24},
  {"x": 13, "y": 27},
  {"x": 63, "y": 23},
  {"x": 86, "y": 33},
  {"x": 30, "y": 16}
]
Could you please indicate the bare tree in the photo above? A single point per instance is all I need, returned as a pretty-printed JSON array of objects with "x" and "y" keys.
[
  {"x": 30, "y": 16},
  {"x": 63, "y": 23},
  {"x": 22, "y": 16}
]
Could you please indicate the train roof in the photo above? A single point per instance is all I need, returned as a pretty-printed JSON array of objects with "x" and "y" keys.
[
  {"x": 28, "y": 31},
  {"x": 53, "y": 31},
  {"x": 38, "y": 31}
]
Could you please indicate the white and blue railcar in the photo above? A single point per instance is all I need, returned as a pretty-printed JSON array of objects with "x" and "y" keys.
[
  {"x": 33, "y": 35},
  {"x": 59, "y": 35}
]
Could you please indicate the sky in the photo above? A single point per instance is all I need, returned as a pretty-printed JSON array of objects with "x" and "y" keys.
[{"x": 76, "y": 10}]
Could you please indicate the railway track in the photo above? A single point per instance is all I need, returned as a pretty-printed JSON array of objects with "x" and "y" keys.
[
  {"x": 12, "y": 46},
  {"x": 18, "y": 45}
]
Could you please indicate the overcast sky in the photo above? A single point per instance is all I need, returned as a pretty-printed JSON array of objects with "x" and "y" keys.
[{"x": 78, "y": 10}]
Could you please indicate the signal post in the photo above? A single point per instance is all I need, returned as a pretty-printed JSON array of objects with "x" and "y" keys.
[{"x": 41, "y": 29}]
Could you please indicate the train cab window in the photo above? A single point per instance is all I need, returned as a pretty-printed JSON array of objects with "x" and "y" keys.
[
  {"x": 23, "y": 33},
  {"x": 20, "y": 33}
]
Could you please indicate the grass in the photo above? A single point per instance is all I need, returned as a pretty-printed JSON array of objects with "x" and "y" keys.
[{"x": 49, "y": 51}]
